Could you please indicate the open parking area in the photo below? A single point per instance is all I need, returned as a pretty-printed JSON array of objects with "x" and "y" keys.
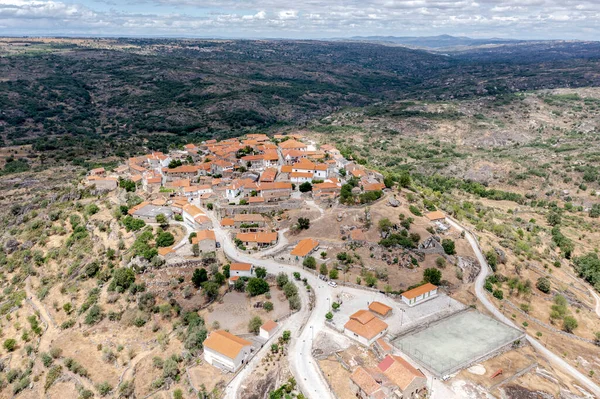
[{"x": 456, "y": 342}]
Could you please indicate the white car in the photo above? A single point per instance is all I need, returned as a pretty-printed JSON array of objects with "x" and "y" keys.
[{"x": 332, "y": 284}]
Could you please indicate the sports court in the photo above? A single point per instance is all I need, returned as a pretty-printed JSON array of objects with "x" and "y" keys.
[{"x": 457, "y": 341}]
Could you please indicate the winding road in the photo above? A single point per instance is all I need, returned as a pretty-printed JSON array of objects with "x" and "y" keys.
[
  {"x": 306, "y": 323},
  {"x": 482, "y": 296}
]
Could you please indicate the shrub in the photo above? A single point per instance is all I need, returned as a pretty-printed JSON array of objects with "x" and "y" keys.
[
  {"x": 498, "y": 294},
  {"x": 199, "y": 276},
  {"x": 569, "y": 324},
  {"x": 310, "y": 262},
  {"x": 260, "y": 272},
  {"x": 257, "y": 286},
  {"x": 329, "y": 316},
  {"x": 449, "y": 247},
  {"x": 254, "y": 324},
  {"x": 165, "y": 239},
  {"x": 305, "y": 187},
  {"x": 268, "y": 306},
  {"x": 282, "y": 279},
  {"x": 303, "y": 223},
  {"x": 414, "y": 210},
  {"x": 53, "y": 374},
  {"x": 333, "y": 274},
  {"x": 432, "y": 275},
  {"x": 440, "y": 262},
  {"x": 10, "y": 344},
  {"x": 104, "y": 388},
  {"x": 123, "y": 278},
  {"x": 543, "y": 284}
]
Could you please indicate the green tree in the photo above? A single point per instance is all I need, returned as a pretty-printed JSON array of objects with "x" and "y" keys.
[
  {"x": 333, "y": 274},
  {"x": 123, "y": 277},
  {"x": 499, "y": 294},
  {"x": 309, "y": 262},
  {"x": 254, "y": 324},
  {"x": 329, "y": 316},
  {"x": 404, "y": 179},
  {"x": 162, "y": 220},
  {"x": 260, "y": 272},
  {"x": 449, "y": 246},
  {"x": 199, "y": 276},
  {"x": 492, "y": 259},
  {"x": 543, "y": 284},
  {"x": 196, "y": 250},
  {"x": 432, "y": 275},
  {"x": 210, "y": 289},
  {"x": 303, "y": 223},
  {"x": 569, "y": 324},
  {"x": 554, "y": 218},
  {"x": 164, "y": 239},
  {"x": 282, "y": 279},
  {"x": 323, "y": 269},
  {"x": 268, "y": 306},
  {"x": 257, "y": 286},
  {"x": 10, "y": 344},
  {"x": 305, "y": 187}
]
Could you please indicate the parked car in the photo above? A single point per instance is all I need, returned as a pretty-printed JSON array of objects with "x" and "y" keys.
[{"x": 332, "y": 284}]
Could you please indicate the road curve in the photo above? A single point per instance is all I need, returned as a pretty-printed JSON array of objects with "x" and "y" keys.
[
  {"x": 481, "y": 295},
  {"x": 303, "y": 366}
]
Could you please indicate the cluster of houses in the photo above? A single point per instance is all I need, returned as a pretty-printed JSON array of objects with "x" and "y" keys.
[{"x": 253, "y": 169}]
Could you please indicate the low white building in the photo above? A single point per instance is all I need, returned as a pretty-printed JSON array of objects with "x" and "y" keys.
[
  {"x": 420, "y": 294},
  {"x": 268, "y": 329},
  {"x": 226, "y": 351},
  {"x": 241, "y": 269},
  {"x": 365, "y": 327}
]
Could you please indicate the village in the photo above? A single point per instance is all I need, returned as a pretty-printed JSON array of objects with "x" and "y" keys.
[{"x": 382, "y": 304}]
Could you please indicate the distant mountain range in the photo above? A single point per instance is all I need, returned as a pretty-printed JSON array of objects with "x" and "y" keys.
[{"x": 436, "y": 42}]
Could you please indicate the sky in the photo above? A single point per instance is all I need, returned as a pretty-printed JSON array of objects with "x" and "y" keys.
[{"x": 310, "y": 19}]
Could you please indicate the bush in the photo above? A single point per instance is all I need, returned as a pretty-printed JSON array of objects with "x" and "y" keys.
[
  {"x": 53, "y": 374},
  {"x": 305, "y": 187},
  {"x": 333, "y": 274},
  {"x": 260, "y": 272},
  {"x": 199, "y": 276},
  {"x": 492, "y": 259},
  {"x": 310, "y": 262},
  {"x": 449, "y": 247},
  {"x": 543, "y": 284},
  {"x": 414, "y": 210},
  {"x": 10, "y": 344},
  {"x": 254, "y": 324},
  {"x": 303, "y": 223},
  {"x": 94, "y": 315},
  {"x": 569, "y": 324},
  {"x": 440, "y": 262},
  {"x": 282, "y": 279},
  {"x": 257, "y": 286},
  {"x": 498, "y": 294},
  {"x": 329, "y": 316},
  {"x": 432, "y": 275},
  {"x": 104, "y": 388},
  {"x": 165, "y": 239},
  {"x": 123, "y": 278},
  {"x": 268, "y": 306},
  {"x": 133, "y": 224}
]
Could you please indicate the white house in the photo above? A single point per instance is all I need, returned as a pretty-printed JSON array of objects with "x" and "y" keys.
[
  {"x": 420, "y": 294},
  {"x": 195, "y": 218},
  {"x": 268, "y": 329},
  {"x": 241, "y": 269},
  {"x": 365, "y": 327},
  {"x": 226, "y": 351}
]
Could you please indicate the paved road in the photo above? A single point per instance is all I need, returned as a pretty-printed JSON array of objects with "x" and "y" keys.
[
  {"x": 303, "y": 367},
  {"x": 482, "y": 296}
]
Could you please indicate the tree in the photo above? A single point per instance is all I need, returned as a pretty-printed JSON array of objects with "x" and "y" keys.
[
  {"x": 219, "y": 278},
  {"x": 227, "y": 271},
  {"x": 290, "y": 289},
  {"x": 543, "y": 284},
  {"x": 449, "y": 247},
  {"x": 10, "y": 344},
  {"x": 211, "y": 289},
  {"x": 404, "y": 179},
  {"x": 499, "y": 294},
  {"x": 297, "y": 275},
  {"x": 388, "y": 181},
  {"x": 440, "y": 262},
  {"x": 162, "y": 220},
  {"x": 303, "y": 223},
  {"x": 123, "y": 277},
  {"x": 261, "y": 272},
  {"x": 329, "y": 316},
  {"x": 268, "y": 306},
  {"x": 257, "y": 286},
  {"x": 196, "y": 250},
  {"x": 569, "y": 324},
  {"x": 199, "y": 276},
  {"x": 287, "y": 335},
  {"x": 370, "y": 280},
  {"x": 192, "y": 235},
  {"x": 335, "y": 306},
  {"x": 492, "y": 259},
  {"x": 282, "y": 279},
  {"x": 175, "y": 163},
  {"x": 309, "y": 262},
  {"x": 305, "y": 187},
  {"x": 254, "y": 324},
  {"x": 385, "y": 225},
  {"x": 128, "y": 185},
  {"x": 333, "y": 274},
  {"x": 553, "y": 218},
  {"x": 323, "y": 269},
  {"x": 164, "y": 239},
  {"x": 432, "y": 275}
]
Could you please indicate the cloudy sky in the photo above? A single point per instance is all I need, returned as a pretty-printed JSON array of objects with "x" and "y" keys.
[{"x": 519, "y": 19}]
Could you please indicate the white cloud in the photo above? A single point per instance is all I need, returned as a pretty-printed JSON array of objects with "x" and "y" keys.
[{"x": 310, "y": 18}]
